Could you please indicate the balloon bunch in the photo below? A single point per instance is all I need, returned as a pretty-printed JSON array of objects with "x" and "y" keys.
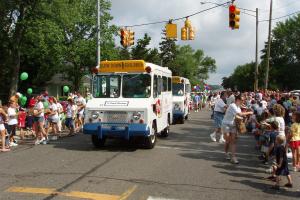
[{"x": 23, "y": 99}]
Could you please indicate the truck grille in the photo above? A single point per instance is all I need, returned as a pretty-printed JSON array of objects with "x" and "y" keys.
[{"x": 116, "y": 117}]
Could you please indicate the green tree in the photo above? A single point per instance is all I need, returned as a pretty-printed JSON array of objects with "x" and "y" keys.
[
  {"x": 192, "y": 64},
  {"x": 241, "y": 79},
  {"x": 140, "y": 50},
  {"x": 13, "y": 16},
  {"x": 168, "y": 50},
  {"x": 49, "y": 37},
  {"x": 285, "y": 55}
]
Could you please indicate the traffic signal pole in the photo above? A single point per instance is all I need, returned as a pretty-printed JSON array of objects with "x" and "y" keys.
[
  {"x": 98, "y": 35},
  {"x": 256, "y": 54},
  {"x": 269, "y": 47}
]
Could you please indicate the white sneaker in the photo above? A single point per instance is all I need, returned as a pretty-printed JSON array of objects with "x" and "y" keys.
[
  {"x": 269, "y": 171},
  {"x": 222, "y": 141},
  {"x": 234, "y": 160},
  {"x": 213, "y": 137},
  {"x": 54, "y": 137},
  {"x": 289, "y": 155},
  {"x": 37, "y": 142},
  {"x": 227, "y": 156},
  {"x": 12, "y": 144}
]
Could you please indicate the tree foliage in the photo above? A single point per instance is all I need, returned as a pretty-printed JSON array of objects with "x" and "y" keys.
[
  {"x": 49, "y": 37},
  {"x": 284, "y": 60},
  {"x": 242, "y": 78}
]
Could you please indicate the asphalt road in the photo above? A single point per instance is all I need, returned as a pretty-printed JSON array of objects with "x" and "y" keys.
[{"x": 185, "y": 166}]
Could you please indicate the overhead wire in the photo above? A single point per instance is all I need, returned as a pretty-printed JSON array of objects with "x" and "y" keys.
[
  {"x": 277, "y": 18},
  {"x": 176, "y": 19},
  {"x": 280, "y": 7}
]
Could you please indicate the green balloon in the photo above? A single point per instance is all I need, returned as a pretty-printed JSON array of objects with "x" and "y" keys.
[
  {"x": 24, "y": 76},
  {"x": 24, "y": 98},
  {"x": 66, "y": 89},
  {"x": 46, "y": 104},
  {"x": 29, "y": 91}
]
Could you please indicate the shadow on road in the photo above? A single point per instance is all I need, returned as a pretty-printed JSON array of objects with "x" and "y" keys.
[{"x": 82, "y": 142}]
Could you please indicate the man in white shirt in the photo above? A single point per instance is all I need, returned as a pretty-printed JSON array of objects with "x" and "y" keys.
[{"x": 219, "y": 111}]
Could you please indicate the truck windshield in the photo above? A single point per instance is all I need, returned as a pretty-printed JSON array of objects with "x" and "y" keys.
[
  {"x": 106, "y": 86},
  {"x": 178, "y": 89},
  {"x": 136, "y": 86}
]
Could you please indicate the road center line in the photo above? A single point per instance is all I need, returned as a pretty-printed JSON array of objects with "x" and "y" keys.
[{"x": 76, "y": 194}]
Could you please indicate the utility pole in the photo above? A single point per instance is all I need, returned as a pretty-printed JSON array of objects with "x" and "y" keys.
[
  {"x": 269, "y": 46},
  {"x": 256, "y": 54},
  {"x": 98, "y": 31}
]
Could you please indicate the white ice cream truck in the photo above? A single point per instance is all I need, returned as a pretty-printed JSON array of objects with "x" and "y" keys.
[
  {"x": 181, "y": 98},
  {"x": 131, "y": 98}
]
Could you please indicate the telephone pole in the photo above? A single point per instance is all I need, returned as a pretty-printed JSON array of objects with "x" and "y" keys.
[
  {"x": 269, "y": 47},
  {"x": 256, "y": 54},
  {"x": 98, "y": 33}
]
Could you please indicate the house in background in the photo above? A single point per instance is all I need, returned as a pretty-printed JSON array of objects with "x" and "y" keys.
[{"x": 58, "y": 81}]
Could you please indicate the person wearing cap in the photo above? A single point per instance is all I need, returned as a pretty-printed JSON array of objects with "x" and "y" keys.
[{"x": 70, "y": 116}]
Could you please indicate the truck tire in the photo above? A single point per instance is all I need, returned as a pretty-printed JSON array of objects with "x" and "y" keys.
[
  {"x": 97, "y": 142},
  {"x": 151, "y": 139},
  {"x": 166, "y": 131}
]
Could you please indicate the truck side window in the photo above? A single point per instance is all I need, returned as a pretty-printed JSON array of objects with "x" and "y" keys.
[
  {"x": 169, "y": 84},
  {"x": 155, "y": 86},
  {"x": 165, "y": 84}
]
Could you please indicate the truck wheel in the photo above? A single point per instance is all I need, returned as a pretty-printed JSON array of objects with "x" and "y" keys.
[
  {"x": 98, "y": 143},
  {"x": 186, "y": 117},
  {"x": 181, "y": 120},
  {"x": 151, "y": 139},
  {"x": 165, "y": 132}
]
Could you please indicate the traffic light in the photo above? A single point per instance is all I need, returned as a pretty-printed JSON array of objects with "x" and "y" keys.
[
  {"x": 191, "y": 33},
  {"x": 187, "y": 23},
  {"x": 130, "y": 38},
  {"x": 124, "y": 37},
  {"x": 183, "y": 33},
  {"x": 187, "y": 32},
  {"x": 234, "y": 17},
  {"x": 171, "y": 30}
]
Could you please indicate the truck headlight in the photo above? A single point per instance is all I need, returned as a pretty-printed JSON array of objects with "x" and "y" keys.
[{"x": 95, "y": 115}]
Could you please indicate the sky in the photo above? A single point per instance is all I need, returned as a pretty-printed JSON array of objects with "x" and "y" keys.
[{"x": 229, "y": 48}]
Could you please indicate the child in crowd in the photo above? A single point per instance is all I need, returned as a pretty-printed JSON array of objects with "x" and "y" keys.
[
  {"x": 21, "y": 123},
  {"x": 30, "y": 121},
  {"x": 270, "y": 135},
  {"x": 294, "y": 140},
  {"x": 70, "y": 116},
  {"x": 281, "y": 166}
]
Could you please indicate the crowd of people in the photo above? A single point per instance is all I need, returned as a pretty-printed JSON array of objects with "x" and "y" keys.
[
  {"x": 272, "y": 117},
  {"x": 42, "y": 118}
]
